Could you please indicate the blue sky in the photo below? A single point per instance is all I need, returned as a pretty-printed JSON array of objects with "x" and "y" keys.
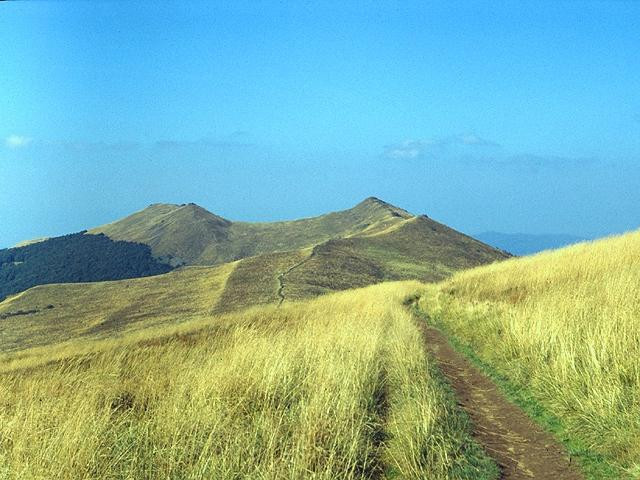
[{"x": 507, "y": 116}]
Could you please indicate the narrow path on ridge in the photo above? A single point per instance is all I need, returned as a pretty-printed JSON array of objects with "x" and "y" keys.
[
  {"x": 520, "y": 447},
  {"x": 281, "y": 277}
]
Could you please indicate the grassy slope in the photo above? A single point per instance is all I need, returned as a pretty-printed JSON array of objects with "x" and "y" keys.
[
  {"x": 104, "y": 309},
  {"x": 416, "y": 248},
  {"x": 412, "y": 248},
  {"x": 424, "y": 249},
  {"x": 182, "y": 232},
  {"x": 338, "y": 387},
  {"x": 255, "y": 280},
  {"x": 564, "y": 327}
]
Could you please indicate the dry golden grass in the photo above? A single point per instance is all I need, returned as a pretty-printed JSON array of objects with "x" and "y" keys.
[
  {"x": 566, "y": 326},
  {"x": 337, "y": 387},
  {"x": 109, "y": 309},
  {"x": 255, "y": 280}
]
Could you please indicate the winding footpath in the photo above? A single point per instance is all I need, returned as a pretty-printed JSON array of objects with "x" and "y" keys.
[
  {"x": 281, "y": 277},
  {"x": 520, "y": 447}
]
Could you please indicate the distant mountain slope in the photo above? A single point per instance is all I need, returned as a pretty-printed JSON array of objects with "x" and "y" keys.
[
  {"x": 281, "y": 261},
  {"x": 176, "y": 233},
  {"x": 74, "y": 258},
  {"x": 527, "y": 244},
  {"x": 416, "y": 248},
  {"x": 412, "y": 248},
  {"x": 285, "y": 261},
  {"x": 191, "y": 235}
]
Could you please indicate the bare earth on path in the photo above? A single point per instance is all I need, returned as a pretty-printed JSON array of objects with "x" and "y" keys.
[{"x": 519, "y": 446}]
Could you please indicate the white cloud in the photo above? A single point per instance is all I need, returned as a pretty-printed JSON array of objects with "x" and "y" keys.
[
  {"x": 440, "y": 146},
  {"x": 17, "y": 141},
  {"x": 407, "y": 150}
]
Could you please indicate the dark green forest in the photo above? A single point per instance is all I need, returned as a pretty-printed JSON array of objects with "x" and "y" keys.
[{"x": 74, "y": 258}]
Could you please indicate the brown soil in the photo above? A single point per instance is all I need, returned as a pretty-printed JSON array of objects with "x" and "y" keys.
[{"x": 520, "y": 447}]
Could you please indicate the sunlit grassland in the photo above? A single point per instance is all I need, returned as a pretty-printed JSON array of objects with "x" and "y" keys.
[
  {"x": 254, "y": 281},
  {"x": 565, "y": 326},
  {"x": 337, "y": 387},
  {"x": 64, "y": 312}
]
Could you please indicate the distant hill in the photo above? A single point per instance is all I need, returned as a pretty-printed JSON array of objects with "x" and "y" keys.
[
  {"x": 527, "y": 244},
  {"x": 414, "y": 248},
  {"x": 245, "y": 264},
  {"x": 189, "y": 234},
  {"x": 74, "y": 258}
]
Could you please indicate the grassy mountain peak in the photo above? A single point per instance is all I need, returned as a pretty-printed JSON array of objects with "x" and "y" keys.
[
  {"x": 374, "y": 206},
  {"x": 189, "y": 234},
  {"x": 178, "y": 233}
]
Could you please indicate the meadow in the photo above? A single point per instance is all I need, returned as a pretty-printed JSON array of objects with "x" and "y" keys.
[
  {"x": 563, "y": 327},
  {"x": 65, "y": 313},
  {"x": 336, "y": 387}
]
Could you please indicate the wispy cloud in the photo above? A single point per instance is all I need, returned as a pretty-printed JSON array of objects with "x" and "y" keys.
[
  {"x": 473, "y": 139},
  {"x": 474, "y": 152},
  {"x": 407, "y": 150},
  {"x": 240, "y": 134},
  {"x": 237, "y": 139},
  {"x": 17, "y": 141},
  {"x": 411, "y": 149}
]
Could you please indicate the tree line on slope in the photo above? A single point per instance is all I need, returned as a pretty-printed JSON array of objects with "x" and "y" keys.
[{"x": 74, "y": 258}]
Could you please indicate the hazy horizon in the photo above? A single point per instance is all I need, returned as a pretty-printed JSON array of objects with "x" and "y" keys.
[{"x": 486, "y": 116}]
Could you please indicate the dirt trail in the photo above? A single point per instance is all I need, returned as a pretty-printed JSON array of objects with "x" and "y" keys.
[
  {"x": 282, "y": 276},
  {"x": 520, "y": 447}
]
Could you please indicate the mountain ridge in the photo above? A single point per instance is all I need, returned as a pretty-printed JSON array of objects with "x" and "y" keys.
[
  {"x": 372, "y": 242},
  {"x": 188, "y": 234}
]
